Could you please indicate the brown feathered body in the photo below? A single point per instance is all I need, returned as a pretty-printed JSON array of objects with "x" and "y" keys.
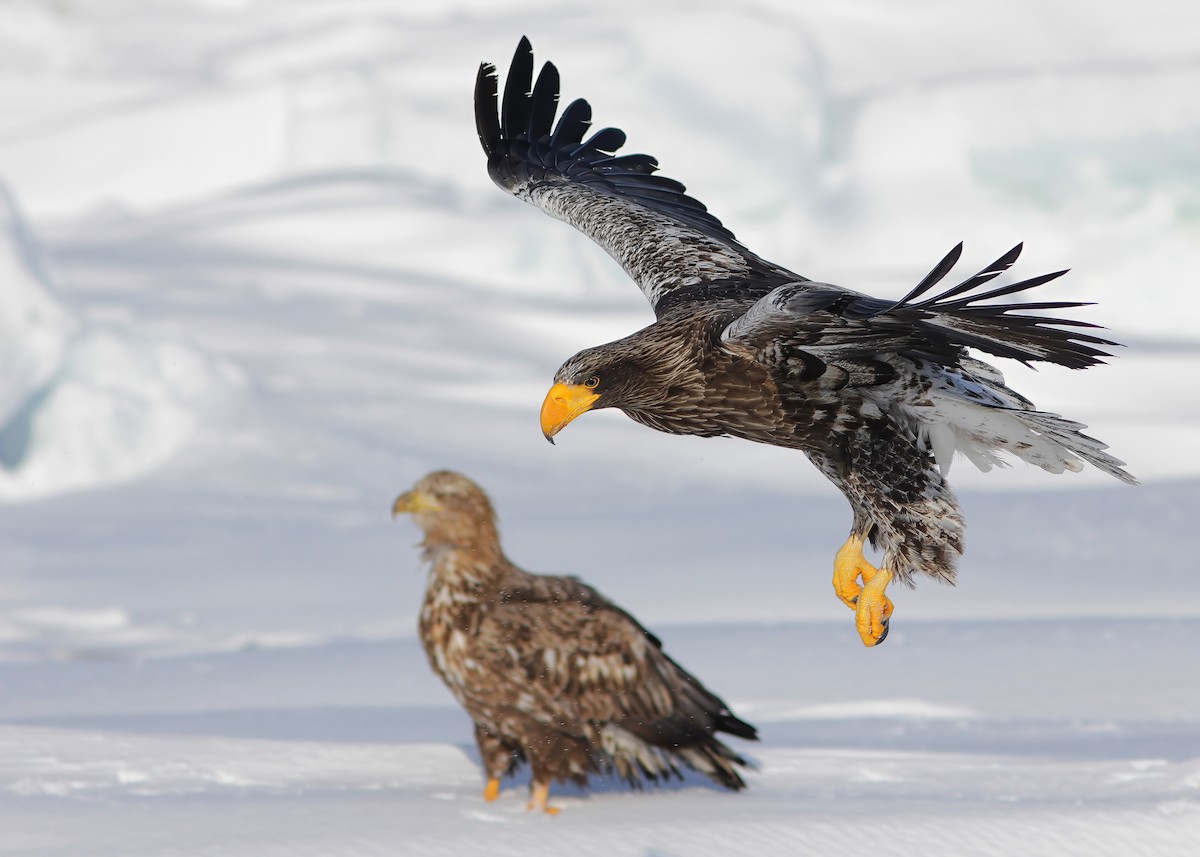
[{"x": 552, "y": 672}]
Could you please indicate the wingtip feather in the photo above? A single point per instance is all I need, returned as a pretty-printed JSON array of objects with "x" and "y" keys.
[
  {"x": 487, "y": 119},
  {"x": 526, "y": 147},
  {"x": 514, "y": 109},
  {"x": 543, "y": 103}
]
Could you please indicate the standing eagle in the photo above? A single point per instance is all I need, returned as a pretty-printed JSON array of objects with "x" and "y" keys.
[
  {"x": 549, "y": 669},
  {"x": 879, "y": 394}
]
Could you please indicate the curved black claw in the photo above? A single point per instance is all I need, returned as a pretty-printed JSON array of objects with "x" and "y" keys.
[{"x": 887, "y": 623}]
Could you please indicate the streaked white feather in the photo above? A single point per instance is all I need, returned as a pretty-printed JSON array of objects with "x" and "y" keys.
[
  {"x": 973, "y": 413},
  {"x": 629, "y": 753}
]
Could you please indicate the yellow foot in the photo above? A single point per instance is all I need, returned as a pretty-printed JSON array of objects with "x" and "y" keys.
[
  {"x": 492, "y": 790},
  {"x": 848, "y": 566},
  {"x": 874, "y": 608},
  {"x": 869, "y": 602},
  {"x": 537, "y": 799}
]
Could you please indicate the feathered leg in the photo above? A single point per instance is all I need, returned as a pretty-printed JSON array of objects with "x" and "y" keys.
[
  {"x": 901, "y": 502},
  {"x": 539, "y": 793},
  {"x": 498, "y": 760}
]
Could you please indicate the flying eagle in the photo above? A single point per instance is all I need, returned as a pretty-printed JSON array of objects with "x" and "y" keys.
[
  {"x": 549, "y": 669},
  {"x": 879, "y": 394}
]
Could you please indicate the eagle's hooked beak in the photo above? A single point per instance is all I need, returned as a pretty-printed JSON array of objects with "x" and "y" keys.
[
  {"x": 563, "y": 404},
  {"x": 415, "y": 501}
]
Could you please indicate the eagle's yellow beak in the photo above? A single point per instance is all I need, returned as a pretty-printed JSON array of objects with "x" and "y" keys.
[
  {"x": 415, "y": 501},
  {"x": 563, "y": 404}
]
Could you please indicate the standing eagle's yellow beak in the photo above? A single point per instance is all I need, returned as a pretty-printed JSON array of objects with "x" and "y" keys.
[
  {"x": 563, "y": 404},
  {"x": 415, "y": 501}
]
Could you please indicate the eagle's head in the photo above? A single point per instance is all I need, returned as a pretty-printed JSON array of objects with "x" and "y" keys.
[
  {"x": 451, "y": 509},
  {"x": 633, "y": 374}
]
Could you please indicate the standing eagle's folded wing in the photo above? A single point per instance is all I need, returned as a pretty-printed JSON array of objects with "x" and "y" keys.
[
  {"x": 596, "y": 663},
  {"x": 664, "y": 239}
]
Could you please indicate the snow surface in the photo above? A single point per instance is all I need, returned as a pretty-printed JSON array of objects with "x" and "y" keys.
[
  {"x": 84, "y": 404},
  {"x": 254, "y": 282}
]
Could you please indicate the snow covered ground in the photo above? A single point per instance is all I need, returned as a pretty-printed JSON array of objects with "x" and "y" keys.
[
  {"x": 254, "y": 282},
  {"x": 1035, "y": 737}
]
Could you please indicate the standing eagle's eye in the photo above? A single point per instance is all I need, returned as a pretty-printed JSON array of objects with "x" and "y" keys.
[{"x": 592, "y": 382}]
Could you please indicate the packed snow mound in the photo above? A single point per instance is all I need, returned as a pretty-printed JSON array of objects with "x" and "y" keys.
[
  {"x": 34, "y": 328},
  {"x": 85, "y": 404}
]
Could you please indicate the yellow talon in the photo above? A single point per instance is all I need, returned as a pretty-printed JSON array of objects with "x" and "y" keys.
[
  {"x": 848, "y": 566},
  {"x": 874, "y": 608},
  {"x": 538, "y": 796},
  {"x": 492, "y": 790}
]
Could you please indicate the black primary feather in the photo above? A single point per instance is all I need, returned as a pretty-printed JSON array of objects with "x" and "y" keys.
[
  {"x": 525, "y": 135},
  {"x": 514, "y": 116},
  {"x": 990, "y": 272},
  {"x": 487, "y": 120},
  {"x": 940, "y": 270},
  {"x": 1024, "y": 285},
  {"x": 575, "y": 121},
  {"x": 543, "y": 103},
  {"x": 962, "y": 318}
]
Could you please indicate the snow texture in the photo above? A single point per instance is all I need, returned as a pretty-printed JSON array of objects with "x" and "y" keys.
[
  {"x": 83, "y": 404},
  {"x": 255, "y": 281}
]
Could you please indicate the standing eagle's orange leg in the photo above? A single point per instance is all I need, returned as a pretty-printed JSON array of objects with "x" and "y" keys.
[
  {"x": 492, "y": 790},
  {"x": 538, "y": 795},
  {"x": 870, "y": 603}
]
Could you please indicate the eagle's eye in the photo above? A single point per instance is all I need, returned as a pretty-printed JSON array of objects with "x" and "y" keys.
[{"x": 592, "y": 382}]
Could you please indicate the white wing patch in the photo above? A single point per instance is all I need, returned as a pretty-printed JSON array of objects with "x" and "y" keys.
[{"x": 659, "y": 254}]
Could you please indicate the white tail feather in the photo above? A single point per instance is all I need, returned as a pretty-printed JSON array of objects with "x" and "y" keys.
[
  {"x": 975, "y": 414},
  {"x": 633, "y": 757}
]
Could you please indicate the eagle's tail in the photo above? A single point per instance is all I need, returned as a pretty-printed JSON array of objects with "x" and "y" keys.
[
  {"x": 1000, "y": 328},
  {"x": 717, "y": 761},
  {"x": 653, "y": 749},
  {"x": 1074, "y": 444},
  {"x": 975, "y": 414},
  {"x": 635, "y": 759}
]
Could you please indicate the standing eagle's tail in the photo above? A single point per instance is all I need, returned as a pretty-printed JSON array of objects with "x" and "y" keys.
[
  {"x": 635, "y": 757},
  {"x": 653, "y": 749}
]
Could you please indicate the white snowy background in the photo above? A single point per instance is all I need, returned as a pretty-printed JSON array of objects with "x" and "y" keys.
[{"x": 255, "y": 281}]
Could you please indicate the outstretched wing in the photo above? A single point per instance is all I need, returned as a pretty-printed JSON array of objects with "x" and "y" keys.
[
  {"x": 830, "y": 322},
  {"x": 665, "y": 240}
]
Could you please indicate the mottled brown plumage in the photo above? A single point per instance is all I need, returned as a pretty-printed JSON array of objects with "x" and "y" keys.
[
  {"x": 879, "y": 394},
  {"x": 549, "y": 670}
]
